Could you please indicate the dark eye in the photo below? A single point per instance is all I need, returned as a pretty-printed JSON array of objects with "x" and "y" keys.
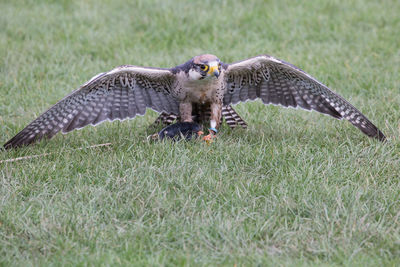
[{"x": 203, "y": 67}]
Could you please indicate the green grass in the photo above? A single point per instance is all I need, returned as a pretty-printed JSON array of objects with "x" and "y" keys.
[{"x": 296, "y": 188}]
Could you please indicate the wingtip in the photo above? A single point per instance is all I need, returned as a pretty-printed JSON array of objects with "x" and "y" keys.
[
  {"x": 9, "y": 145},
  {"x": 380, "y": 136},
  {"x": 20, "y": 140},
  {"x": 376, "y": 134}
]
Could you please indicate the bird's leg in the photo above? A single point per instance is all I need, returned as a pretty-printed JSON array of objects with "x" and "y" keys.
[
  {"x": 215, "y": 121},
  {"x": 185, "y": 110},
  {"x": 216, "y": 109}
]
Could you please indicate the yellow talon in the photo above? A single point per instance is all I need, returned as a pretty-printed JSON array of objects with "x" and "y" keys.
[{"x": 209, "y": 138}]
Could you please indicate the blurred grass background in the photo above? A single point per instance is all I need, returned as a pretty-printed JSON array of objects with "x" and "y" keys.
[{"x": 296, "y": 188}]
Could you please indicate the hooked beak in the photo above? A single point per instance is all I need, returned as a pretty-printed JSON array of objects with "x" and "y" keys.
[{"x": 214, "y": 71}]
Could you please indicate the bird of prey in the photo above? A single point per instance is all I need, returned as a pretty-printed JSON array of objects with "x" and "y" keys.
[{"x": 202, "y": 89}]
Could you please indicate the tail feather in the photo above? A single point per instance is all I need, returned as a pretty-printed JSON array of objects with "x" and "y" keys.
[
  {"x": 232, "y": 118},
  {"x": 165, "y": 119},
  {"x": 202, "y": 114}
]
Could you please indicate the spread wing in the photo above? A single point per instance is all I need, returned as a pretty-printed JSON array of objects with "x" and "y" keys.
[
  {"x": 121, "y": 93},
  {"x": 280, "y": 83}
]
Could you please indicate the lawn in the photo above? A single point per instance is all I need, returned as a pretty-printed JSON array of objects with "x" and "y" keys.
[{"x": 295, "y": 188}]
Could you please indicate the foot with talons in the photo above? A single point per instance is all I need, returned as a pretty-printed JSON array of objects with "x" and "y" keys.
[{"x": 211, "y": 136}]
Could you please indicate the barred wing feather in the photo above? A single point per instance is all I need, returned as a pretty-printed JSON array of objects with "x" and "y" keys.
[
  {"x": 280, "y": 83},
  {"x": 122, "y": 93}
]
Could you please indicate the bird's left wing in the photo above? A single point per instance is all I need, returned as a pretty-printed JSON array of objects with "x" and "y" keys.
[
  {"x": 121, "y": 93},
  {"x": 280, "y": 83}
]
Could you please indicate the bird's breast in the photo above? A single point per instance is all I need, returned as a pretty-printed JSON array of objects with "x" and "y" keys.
[
  {"x": 200, "y": 95},
  {"x": 201, "y": 91}
]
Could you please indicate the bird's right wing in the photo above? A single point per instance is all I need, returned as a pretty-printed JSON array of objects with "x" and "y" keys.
[{"x": 121, "y": 93}]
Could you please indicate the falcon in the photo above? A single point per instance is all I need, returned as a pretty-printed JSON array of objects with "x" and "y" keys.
[{"x": 200, "y": 90}]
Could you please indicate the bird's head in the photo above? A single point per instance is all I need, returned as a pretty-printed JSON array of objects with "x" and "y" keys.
[{"x": 205, "y": 67}]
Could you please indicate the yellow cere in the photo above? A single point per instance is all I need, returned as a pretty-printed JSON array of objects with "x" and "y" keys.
[{"x": 212, "y": 69}]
